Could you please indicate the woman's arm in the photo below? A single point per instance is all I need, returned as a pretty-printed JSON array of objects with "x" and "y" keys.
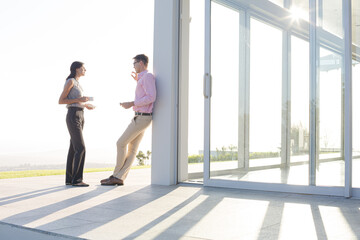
[{"x": 63, "y": 97}]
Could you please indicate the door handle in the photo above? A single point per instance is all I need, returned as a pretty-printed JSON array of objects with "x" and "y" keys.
[
  {"x": 210, "y": 86},
  {"x": 204, "y": 85},
  {"x": 207, "y": 85}
]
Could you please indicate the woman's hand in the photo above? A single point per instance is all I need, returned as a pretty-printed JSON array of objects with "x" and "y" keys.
[
  {"x": 83, "y": 99},
  {"x": 90, "y": 106}
]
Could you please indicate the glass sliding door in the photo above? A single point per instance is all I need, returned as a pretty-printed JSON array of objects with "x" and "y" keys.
[
  {"x": 355, "y": 94},
  {"x": 246, "y": 110},
  {"x": 274, "y": 96},
  {"x": 330, "y": 161},
  {"x": 190, "y": 167},
  {"x": 265, "y": 102},
  {"x": 225, "y": 91},
  {"x": 195, "y": 146},
  {"x": 356, "y": 124},
  {"x": 299, "y": 131},
  {"x": 330, "y": 164}
]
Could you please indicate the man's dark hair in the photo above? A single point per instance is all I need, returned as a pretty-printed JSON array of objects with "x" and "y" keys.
[{"x": 143, "y": 58}]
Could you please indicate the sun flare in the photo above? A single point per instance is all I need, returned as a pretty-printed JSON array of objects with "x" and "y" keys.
[{"x": 297, "y": 13}]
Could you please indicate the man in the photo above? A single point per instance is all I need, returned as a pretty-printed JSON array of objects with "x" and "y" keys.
[{"x": 128, "y": 143}]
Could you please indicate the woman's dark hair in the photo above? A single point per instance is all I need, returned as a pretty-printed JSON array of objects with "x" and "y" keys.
[{"x": 75, "y": 65}]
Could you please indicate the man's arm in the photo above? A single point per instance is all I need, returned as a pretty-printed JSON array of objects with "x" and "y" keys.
[
  {"x": 149, "y": 87},
  {"x": 127, "y": 105}
]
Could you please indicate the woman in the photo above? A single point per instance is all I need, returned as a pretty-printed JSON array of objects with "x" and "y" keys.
[{"x": 72, "y": 95}]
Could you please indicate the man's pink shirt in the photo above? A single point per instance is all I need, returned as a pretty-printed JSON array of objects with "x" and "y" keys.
[{"x": 145, "y": 93}]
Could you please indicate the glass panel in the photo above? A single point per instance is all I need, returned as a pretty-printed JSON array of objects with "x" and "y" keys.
[
  {"x": 265, "y": 101},
  {"x": 225, "y": 82},
  {"x": 196, "y": 98},
  {"x": 356, "y": 23},
  {"x": 356, "y": 123},
  {"x": 332, "y": 16},
  {"x": 299, "y": 136},
  {"x": 355, "y": 94},
  {"x": 330, "y": 162}
]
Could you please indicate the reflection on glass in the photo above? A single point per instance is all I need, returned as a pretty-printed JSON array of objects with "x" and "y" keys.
[
  {"x": 330, "y": 164},
  {"x": 299, "y": 133},
  {"x": 225, "y": 95},
  {"x": 332, "y": 17}
]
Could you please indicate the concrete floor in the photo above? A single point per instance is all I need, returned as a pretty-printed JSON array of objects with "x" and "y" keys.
[{"x": 139, "y": 210}]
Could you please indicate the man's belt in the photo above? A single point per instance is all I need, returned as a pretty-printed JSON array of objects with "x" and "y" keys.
[{"x": 142, "y": 114}]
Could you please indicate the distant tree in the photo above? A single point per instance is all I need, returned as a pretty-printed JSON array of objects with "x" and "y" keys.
[
  {"x": 141, "y": 157},
  {"x": 196, "y": 158},
  {"x": 148, "y": 153},
  {"x": 232, "y": 148},
  {"x": 217, "y": 153},
  {"x": 223, "y": 153}
]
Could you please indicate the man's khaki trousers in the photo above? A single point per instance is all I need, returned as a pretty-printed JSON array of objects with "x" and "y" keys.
[{"x": 128, "y": 144}]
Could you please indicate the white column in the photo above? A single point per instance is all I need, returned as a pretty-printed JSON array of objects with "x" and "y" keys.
[{"x": 164, "y": 126}]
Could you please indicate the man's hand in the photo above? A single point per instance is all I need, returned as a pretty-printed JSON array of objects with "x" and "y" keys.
[
  {"x": 134, "y": 76},
  {"x": 127, "y": 105}
]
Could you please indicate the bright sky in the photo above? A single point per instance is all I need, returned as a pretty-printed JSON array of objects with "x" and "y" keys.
[
  {"x": 41, "y": 38},
  {"x": 39, "y": 41}
]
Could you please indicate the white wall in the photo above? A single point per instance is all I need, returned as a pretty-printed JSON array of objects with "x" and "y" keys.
[{"x": 164, "y": 126}]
